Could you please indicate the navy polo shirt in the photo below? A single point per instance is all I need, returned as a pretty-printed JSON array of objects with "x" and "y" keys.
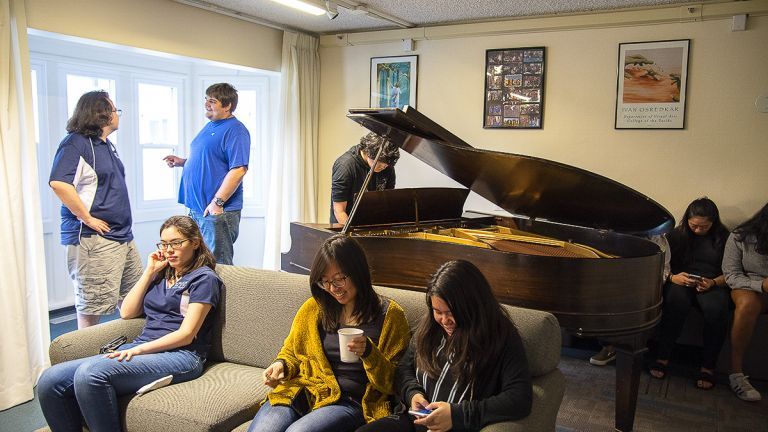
[
  {"x": 166, "y": 306},
  {"x": 94, "y": 168}
]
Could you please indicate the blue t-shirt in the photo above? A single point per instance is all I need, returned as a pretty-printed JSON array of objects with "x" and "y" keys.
[
  {"x": 100, "y": 184},
  {"x": 165, "y": 307},
  {"x": 219, "y": 147}
]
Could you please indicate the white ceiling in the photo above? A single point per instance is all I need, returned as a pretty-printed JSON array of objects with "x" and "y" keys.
[{"x": 419, "y": 13}]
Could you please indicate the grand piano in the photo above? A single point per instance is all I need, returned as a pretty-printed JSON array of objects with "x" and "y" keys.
[{"x": 571, "y": 242}]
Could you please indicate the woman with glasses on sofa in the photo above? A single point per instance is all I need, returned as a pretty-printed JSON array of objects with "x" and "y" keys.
[
  {"x": 465, "y": 367},
  {"x": 314, "y": 389},
  {"x": 177, "y": 292}
]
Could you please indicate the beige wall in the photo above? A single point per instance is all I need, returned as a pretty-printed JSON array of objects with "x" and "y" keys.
[
  {"x": 721, "y": 153},
  {"x": 161, "y": 25}
]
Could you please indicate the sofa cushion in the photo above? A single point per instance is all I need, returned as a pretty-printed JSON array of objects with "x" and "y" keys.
[
  {"x": 232, "y": 395},
  {"x": 255, "y": 314}
]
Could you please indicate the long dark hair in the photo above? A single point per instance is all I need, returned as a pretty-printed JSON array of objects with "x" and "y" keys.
[
  {"x": 705, "y": 208},
  {"x": 349, "y": 256},
  {"x": 92, "y": 112},
  {"x": 187, "y": 227},
  {"x": 757, "y": 227},
  {"x": 483, "y": 326}
]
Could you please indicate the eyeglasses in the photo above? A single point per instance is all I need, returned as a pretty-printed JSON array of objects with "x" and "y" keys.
[
  {"x": 338, "y": 282},
  {"x": 210, "y": 100},
  {"x": 118, "y": 111},
  {"x": 175, "y": 244}
]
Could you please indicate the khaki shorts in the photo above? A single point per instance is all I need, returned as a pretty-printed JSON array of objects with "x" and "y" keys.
[{"x": 102, "y": 271}]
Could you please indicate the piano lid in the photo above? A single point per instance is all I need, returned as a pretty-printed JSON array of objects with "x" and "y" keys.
[
  {"x": 410, "y": 205},
  {"x": 522, "y": 185}
]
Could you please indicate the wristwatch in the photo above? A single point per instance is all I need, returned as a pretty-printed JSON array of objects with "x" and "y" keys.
[{"x": 218, "y": 201}]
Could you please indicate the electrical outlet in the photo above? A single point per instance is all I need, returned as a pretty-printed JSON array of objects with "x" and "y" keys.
[{"x": 761, "y": 103}]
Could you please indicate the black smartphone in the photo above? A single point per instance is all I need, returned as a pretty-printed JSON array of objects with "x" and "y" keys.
[{"x": 695, "y": 276}]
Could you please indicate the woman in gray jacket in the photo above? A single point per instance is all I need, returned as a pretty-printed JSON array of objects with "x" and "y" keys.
[{"x": 745, "y": 266}]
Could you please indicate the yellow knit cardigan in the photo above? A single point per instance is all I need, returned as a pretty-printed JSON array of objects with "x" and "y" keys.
[{"x": 308, "y": 367}]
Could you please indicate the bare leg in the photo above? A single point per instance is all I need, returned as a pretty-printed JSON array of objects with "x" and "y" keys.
[
  {"x": 85, "y": 320},
  {"x": 748, "y": 307}
]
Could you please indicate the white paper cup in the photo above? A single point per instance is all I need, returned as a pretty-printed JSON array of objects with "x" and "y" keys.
[{"x": 345, "y": 336}]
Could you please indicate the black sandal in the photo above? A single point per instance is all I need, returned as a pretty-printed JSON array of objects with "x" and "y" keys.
[
  {"x": 659, "y": 367},
  {"x": 707, "y": 377}
]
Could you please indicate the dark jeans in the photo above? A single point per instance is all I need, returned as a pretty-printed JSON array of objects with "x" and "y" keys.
[
  {"x": 393, "y": 423},
  {"x": 713, "y": 304}
]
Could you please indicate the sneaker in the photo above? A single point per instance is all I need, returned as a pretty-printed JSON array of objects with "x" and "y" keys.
[
  {"x": 605, "y": 356},
  {"x": 743, "y": 389}
]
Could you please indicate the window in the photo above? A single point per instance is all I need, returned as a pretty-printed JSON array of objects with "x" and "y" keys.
[{"x": 158, "y": 122}]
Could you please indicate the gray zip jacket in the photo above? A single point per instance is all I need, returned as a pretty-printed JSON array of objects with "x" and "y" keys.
[{"x": 743, "y": 267}]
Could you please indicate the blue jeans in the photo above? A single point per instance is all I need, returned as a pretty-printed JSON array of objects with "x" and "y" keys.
[
  {"x": 344, "y": 415},
  {"x": 219, "y": 233},
  {"x": 90, "y": 386}
]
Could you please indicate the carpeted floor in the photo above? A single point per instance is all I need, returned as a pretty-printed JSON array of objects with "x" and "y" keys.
[{"x": 672, "y": 404}]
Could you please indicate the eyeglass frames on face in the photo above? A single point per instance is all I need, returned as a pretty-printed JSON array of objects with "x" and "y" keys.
[
  {"x": 118, "y": 111},
  {"x": 210, "y": 100},
  {"x": 338, "y": 282},
  {"x": 175, "y": 244}
]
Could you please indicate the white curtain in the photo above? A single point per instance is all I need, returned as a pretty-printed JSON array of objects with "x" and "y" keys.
[
  {"x": 24, "y": 334},
  {"x": 293, "y": 180}
]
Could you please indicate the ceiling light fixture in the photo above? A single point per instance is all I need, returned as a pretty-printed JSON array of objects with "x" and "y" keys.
[{"x": 304, "y": 6}]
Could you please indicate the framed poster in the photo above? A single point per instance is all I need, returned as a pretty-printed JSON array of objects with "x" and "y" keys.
[
  {"x": 393, "y": 81},
  {"x": 514, "y": 88},
  {"x": 650, "y": 85}
]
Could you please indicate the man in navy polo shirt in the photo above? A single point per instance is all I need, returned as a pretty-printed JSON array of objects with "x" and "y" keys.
[
  {"x": 89, "y": 179},
  {"x": 211, "y": 181}
]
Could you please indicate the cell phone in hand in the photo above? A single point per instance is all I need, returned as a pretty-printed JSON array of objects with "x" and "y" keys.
[
  {"x": 420, "y": 412},
  {"x": 695, "y": 276}
]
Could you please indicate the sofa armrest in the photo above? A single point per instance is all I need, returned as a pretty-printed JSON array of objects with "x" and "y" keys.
[
  {"x": 86, "y": 342},
  {"x": 548, "y": 392}
]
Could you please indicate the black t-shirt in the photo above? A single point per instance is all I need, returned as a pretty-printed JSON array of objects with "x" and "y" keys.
[
  {"x": 349, "y": 172},
  {"x": 702, "y": 256},
  {"x": 351, "y": 377}
]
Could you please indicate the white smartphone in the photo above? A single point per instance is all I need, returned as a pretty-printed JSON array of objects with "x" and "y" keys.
[
  {"x": 156, "y": 384},
  {"x": 420, "y": 412}
]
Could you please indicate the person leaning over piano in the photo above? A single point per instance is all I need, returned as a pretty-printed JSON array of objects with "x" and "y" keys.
[{"x": 350, "y": 169}]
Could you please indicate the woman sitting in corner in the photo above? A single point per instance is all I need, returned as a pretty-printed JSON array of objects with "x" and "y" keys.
[
  {"x": 746, "y": 270},
  {"x": 696, "y": 280},
  {"x": 315, "y": 389},
  {"x": 466, "y": 366},
  {"x": 177, "y": 292}
]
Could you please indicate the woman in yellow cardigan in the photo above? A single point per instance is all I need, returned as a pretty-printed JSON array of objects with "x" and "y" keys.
[{"x": 314, "y": 390}]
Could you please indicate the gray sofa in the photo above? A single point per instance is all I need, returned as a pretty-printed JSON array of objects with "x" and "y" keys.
[{"x": 256, "y": 313}]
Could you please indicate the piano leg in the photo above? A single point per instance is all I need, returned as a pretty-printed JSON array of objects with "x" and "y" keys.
[{"x": 629, "y": 362}]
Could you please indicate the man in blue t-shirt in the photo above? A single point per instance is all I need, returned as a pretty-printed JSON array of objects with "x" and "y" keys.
[
  {"x": 211, "y": 182},
  {"x": 89, "y": 179}
]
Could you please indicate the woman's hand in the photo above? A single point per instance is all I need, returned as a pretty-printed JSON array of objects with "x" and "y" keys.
[
  {"x": 418, "y": 402},
  {"x": 125, "y": 354},
  {"x": 683, "y": 279},
  {"x": 358, "y": 345},
  {"x": 273, "y": 374},
  {"x": 156, "y": 261},
  {"x": 705, "y": 285},
  {"x": 440, "y": 419}
]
